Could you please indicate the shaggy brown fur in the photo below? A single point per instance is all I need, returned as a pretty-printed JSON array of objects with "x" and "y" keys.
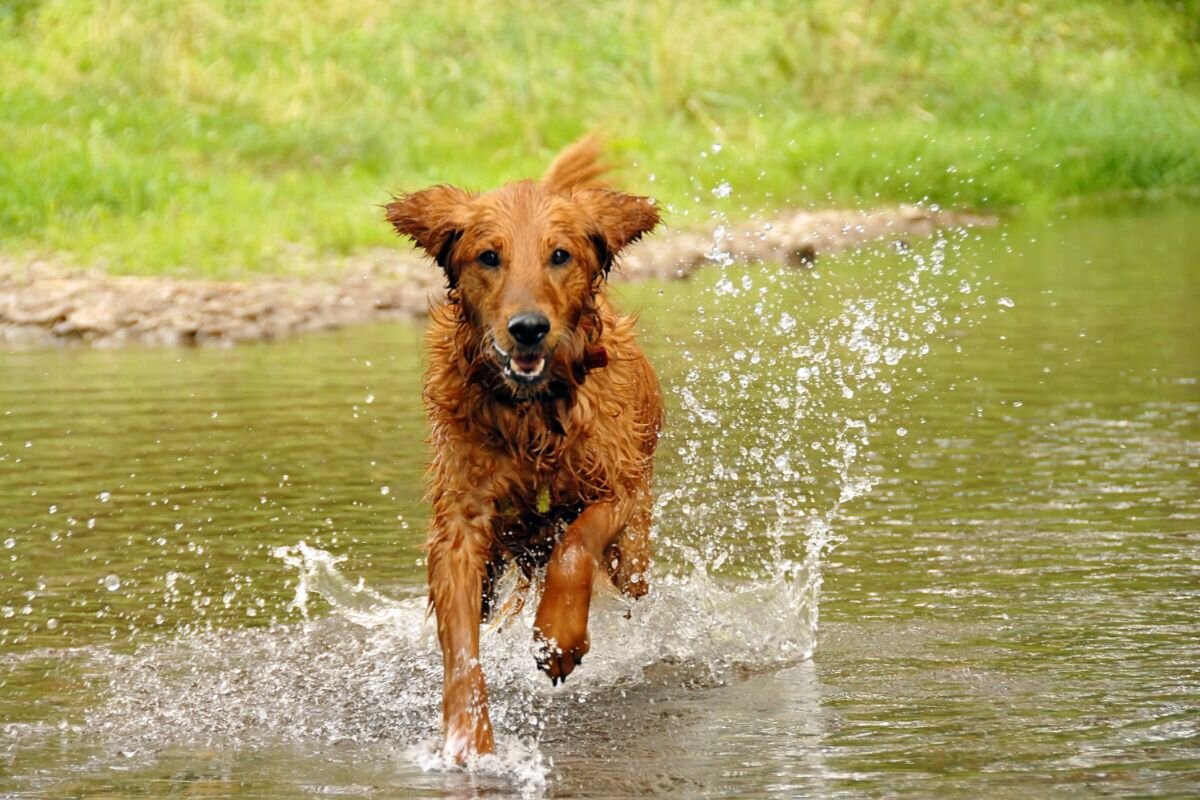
[{"x": 544, "y": 414}]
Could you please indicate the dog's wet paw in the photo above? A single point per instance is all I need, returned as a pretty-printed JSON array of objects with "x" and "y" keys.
[
  {"x": 628, "y": 566},
  {"x": 556, "y": 661},
  {"x": 560, "y": 628},
  {"x": 631, "y": 581}
]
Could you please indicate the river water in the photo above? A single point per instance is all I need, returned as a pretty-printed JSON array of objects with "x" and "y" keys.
[{"x": 928, "y": 526}]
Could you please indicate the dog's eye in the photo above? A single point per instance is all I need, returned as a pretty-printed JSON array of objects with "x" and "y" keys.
[
  {"x": 489, "y": 259},
  {"x": 559, "y": 257}
]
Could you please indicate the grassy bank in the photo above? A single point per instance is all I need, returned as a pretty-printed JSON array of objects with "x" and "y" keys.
[{"x": 222, "y": 137}]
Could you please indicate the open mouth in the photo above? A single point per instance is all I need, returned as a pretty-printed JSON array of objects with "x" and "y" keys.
[{"x": 525, "y": 368}]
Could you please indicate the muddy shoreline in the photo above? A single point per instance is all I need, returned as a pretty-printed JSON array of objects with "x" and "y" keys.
[{"x": 43, "y": 305}]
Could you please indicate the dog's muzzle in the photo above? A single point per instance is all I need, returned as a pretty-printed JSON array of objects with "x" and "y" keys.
[
  {"x": 526, "y": 364},
  {"x": 522, "y": 368}
]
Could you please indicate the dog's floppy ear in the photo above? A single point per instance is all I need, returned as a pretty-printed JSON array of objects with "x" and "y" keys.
[
  {"x": 434, "y": 218},
  {"x": 620, "y": 219}
]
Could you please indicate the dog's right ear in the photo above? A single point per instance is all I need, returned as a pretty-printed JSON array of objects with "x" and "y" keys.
[{"x": 434, "y": 218}]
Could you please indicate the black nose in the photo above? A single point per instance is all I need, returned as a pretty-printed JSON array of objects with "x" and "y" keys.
[{"x": 529, "y": 327}]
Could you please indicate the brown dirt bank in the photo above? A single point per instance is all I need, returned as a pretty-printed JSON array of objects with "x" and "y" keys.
[{"x": 41, "y": 304}]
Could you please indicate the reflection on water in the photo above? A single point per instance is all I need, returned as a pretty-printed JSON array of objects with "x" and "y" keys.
[{"x": 1011, "y": 606}]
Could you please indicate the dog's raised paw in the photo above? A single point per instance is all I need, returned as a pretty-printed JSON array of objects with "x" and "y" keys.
[{"x": 556, "y": 662}]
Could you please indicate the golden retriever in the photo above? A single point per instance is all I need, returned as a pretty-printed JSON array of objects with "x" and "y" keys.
[{"x": 544, "y": 414}]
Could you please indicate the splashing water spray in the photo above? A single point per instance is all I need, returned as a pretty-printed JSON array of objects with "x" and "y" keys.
[{"x": 788, "y": 376}]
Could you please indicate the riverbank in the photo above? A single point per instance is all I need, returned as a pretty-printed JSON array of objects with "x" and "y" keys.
[
  {"x": 218, "y": 136},
  {"x": 42, "y": 304}
]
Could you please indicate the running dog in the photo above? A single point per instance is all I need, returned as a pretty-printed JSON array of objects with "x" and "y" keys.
[{"x": 544, "y": 415}]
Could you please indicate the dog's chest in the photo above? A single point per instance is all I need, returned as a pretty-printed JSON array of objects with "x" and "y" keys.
[{"x": 527, "y": 524}]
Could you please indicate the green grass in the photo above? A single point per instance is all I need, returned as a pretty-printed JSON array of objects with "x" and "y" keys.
[{"x": 221, "y": 137}]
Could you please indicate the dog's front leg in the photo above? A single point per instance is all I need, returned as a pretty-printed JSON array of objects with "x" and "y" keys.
[
  {"x": 458, "y": 550},
  {"x": 560, "y": 625}
]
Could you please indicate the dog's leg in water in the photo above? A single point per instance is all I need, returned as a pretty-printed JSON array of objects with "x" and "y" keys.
[
  {"x": 561, "y": 622},
  {"x": 458, "y": 555},
  {"x": 628, "y": 557}
]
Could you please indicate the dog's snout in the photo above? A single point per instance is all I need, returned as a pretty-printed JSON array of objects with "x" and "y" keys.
[{"x": 529, "y": 328}]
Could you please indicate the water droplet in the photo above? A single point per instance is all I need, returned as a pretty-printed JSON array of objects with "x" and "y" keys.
[
  {"x": 385, "y": 490},
  {"x": 722, "y": 189},
  {"x": 902, "y": 431},
  {"x": 104, "y": 497},
  {"x": 1007, "y": 302},
  {"x": 112, "y": 583},
  {"x": 10, "y": 543}
]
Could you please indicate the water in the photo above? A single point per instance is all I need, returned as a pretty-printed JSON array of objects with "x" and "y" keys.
[{"x": 965, "y": 473}]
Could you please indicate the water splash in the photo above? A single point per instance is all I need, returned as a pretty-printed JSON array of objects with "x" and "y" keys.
[
  {"x": 318, "y": 573},
  {"x": 370, "y": 671},
  {"x": 781, "y": 408},
  {"x": 516, "y": 761}
]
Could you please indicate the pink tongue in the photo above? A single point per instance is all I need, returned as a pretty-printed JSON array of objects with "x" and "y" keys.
[{"x": 527, "y": 364}]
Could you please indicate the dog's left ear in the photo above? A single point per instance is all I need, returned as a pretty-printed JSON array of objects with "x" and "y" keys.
[
  {"x": 620, "y": 220},
  {"x": 434, "y": 218}
]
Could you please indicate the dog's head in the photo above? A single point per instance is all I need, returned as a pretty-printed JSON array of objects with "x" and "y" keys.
[{"x": 526, "y": 261}]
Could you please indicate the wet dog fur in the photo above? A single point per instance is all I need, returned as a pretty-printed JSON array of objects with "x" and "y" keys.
[{"x": 544, "y": 414}]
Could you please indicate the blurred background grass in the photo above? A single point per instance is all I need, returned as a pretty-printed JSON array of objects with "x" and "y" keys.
[{"x": 227, "y": 137}]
